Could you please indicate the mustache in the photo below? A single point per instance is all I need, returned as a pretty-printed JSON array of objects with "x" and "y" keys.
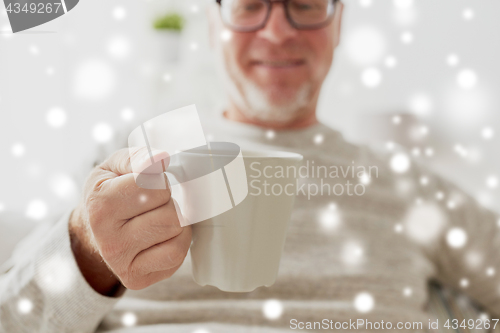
[{"x": 286, "y": 51}]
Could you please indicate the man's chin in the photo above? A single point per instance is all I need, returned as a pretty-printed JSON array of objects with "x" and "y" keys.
[
  {"x": 273, "y": 104},
  {"x": 274, "y": 113}
]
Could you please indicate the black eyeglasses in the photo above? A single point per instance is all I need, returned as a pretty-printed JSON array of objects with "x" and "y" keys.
[{"x": 252, "y": 15}]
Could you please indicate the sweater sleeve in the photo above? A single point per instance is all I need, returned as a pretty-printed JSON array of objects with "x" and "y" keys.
[
  {"x": 44, "y": 290},
  {"x": 466, "y": 250}
]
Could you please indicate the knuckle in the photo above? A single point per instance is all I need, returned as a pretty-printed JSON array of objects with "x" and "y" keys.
[
  {"x": 165, "y": 195},
  {"x": 178, "y": 253},
  {"x": 170, "y": 229},
  {"x": 110, "y": 251},
  {"x": 96, "y": 210},
  {"x": 132, "y": 283},
  {"x": 173, "y": 218},
  {"x": 136, "y": 151},
  {"x": 118, "y": 155}
]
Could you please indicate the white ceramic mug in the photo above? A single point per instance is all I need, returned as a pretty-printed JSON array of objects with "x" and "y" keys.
[
  {"x": 240, "y": 249},
  {"x": 205, "y": 181}
]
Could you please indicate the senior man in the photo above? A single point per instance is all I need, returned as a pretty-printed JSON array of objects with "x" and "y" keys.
[{"x": 118, "y": 264}]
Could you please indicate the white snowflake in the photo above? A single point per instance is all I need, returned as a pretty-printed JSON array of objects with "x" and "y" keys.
[
  {"x": 429, "y": 152},
  {"x": 424, "y": 181},
  {"x": 352, "y": 253},
  {"x": 102, "y": 133},
  {"x": 167, "y": 77},
  {"x": 226, "y": 35},
  {"x": 421, "y": 104},
  {"x": 460, "y": 150},
  {"x": 55, "y": 274},
  {"x": 473, "y": 259},
  {"x": 424, "y": 130},
  {"x": 56, "y": 117},
  {"x": 63, "y": 186},
  {"x": 272, "y": 309},
  {"x": 492, "y": 182},
  {"x": 390, "y": 62},
  {"x": 490, "y": 271},
  {"x": 467, "y": 79},
  {"x": 451, "y": 204},
  {"x": 468, "y": 14},
  {"x": 365, "y": 3},
  {"x": 129, "y": 319},
  {"x": 364, "y": 302},
  {"x": 424, "y": 223},
  {"x": 371, "y": 77},
  {"x": 18, "y": 149},
  {"x": 329, "y": 219},
  {"x": 24, "y": 305},
  {"x": 94, "y": 80},
  {"x": 452, "y": 60},
  {"x": 270, "y": 134},
  {"x": 407, "y": 37},
  {"x": 119, "y": 13},
  {"x": 456, "y": 238},
  {"x": 487, "y": 133},
  {"x": 37, "y": 209},
  {"x": 365, "y": 179},
  {"x": 34, "y": 50},
  {"x": 403, "y": 4},
  {"x": 318, "y": 139},
  {"x": 400, "y": 163},
  {"x": 127, "y": 114},
  {"x": 119, "y": 47},
  {"x": 366, "y": 45}
]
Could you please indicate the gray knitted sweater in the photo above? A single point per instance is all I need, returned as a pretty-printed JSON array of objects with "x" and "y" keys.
[{"x": 353, "y": 256}]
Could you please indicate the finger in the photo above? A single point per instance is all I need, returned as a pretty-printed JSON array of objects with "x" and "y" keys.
[
  {"x": 135, "y": 160},
  {"x": 163, "y": 256},
  {"x": 127, "y": 200},
  {"x": 150, "y": 279},
  {"x": 153, "y": 227}
]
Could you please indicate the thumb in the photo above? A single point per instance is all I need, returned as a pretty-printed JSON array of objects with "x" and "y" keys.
[{"x": 137, "y": 160}]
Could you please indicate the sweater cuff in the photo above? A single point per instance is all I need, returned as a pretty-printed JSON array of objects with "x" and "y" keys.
[{"x": 72, "y": 303}]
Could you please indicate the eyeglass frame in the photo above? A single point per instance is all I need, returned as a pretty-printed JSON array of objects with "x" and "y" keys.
[{"x": 288, "y": 17}]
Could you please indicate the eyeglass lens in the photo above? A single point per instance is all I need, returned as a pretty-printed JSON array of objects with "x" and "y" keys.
[{"x": 248, "y": 14}]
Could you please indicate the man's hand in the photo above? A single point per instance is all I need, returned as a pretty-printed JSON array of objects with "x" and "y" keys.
[{"x": 124, "y": 235}]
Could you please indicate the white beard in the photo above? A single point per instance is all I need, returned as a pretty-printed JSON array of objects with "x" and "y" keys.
[{"x": 256, "y": 104}]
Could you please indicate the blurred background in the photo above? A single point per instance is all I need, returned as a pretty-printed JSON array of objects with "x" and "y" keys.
[{"x": 422, "y": 74}]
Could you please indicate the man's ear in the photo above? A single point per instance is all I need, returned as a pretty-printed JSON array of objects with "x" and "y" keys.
[
  {"x": 212, "y": 14},
  {"x": 339, "y": 10}
]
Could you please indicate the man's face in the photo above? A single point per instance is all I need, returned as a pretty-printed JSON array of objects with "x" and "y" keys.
[{"x": 276, "y": 73}]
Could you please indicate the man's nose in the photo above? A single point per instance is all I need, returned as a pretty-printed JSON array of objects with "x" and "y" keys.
[{"x": 277, "y": 29}]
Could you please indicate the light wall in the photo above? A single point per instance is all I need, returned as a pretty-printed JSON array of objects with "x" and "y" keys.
[{"x": 102, "y": 61}]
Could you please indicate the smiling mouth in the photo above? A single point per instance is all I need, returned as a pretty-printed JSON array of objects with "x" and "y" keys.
[{"x": 278, "y": 63}]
